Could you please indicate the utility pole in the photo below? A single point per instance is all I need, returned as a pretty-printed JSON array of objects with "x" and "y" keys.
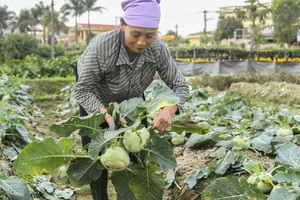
[
  {"x": 204, "y": 30},
  {"x": 176, "y": 28},
  {"x": 52, "y": 29},
  {"x": 205, "y": 25}
]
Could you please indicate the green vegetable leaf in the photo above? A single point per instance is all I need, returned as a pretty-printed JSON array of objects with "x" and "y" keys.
[
  {"x": 100, "y": 140},
  {"x": 170, "y": 178},
  {"x": 279, "y": 192},
  {"x": 88, "y": 125},
  {"x": 287, "y": 176},
  {"x": 132, "y": 109},
  {"x": 15, "y": 188},
  {"x": 147, "y": 183},
  {"x": 45, "y": 156},
  {"x": 202, "y": 172},
  {"x": 231, "y": 188},
  {"x": 139, "y": 183},
  {"x": 262, "y": 143},
  {"x": 260, "y": 124},
  {"x": 162, "y": 152},
  {"x": 195, "y": 139},
  {"x": 289, "y": 154},
  {"x": 297, "y": 118},
  {"x": 163, "y": 96},
  {"x": 83, "y": 171},
  {"x": 223, "y": 164},
  {"x": 182, "y": 122},
  {"x": 120, "y": 181},
  {"x": 23, "y": 132}
]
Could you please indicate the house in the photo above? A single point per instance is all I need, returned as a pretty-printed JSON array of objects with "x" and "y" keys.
[
  {"x": 82, "y": 33},
  {"x": 242, "y": 36},
  {"x": 167, "y": 37},
  {"x": 198, "y": 39}
]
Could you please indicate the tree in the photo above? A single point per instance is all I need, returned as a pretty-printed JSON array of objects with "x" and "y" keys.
[
  {"x": 6, "y": 17},
  {"x": 37, "y": 13},
  {"x": 177, "y": 41},
  {"x": 255, "y": 12},
  {"x": 59, "y": 23},
  {"x": 171, "y": 32},
  {"x": 25, "y": 21},
  {"x": 286, "y": 14},
  {"x": 226, "y": 28},
  {"x": 88, "y": 6},
  {"x": 18, "y": 46},
  {"x": 74, "y": 8}
]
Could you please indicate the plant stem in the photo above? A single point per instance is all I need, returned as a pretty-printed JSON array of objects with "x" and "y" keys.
[
  {"x": 150, "y": 127},
  {"x": 251, "y": 148},
  {"x": 177, "y": 185}
]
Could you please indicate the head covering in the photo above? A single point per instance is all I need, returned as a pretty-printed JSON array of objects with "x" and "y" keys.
[{"x": 141, "y": 13}]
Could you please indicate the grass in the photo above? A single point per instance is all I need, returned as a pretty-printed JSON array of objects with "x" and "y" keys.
[
  {"x": 273, "y": 89},
  {"x": 223, "y": 81},
  {"x": 45, "y": 88}
]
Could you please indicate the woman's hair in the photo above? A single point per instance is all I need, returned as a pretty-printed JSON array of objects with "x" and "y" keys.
[{"x": 124, "y": 23}]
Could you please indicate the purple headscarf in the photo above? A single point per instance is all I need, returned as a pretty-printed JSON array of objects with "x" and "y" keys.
[{"x": 141, "y": 13}]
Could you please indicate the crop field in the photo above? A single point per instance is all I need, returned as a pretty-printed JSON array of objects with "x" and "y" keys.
[{"x": 237, "y": 138}]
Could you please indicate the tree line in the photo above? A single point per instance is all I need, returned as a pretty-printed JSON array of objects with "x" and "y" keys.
[
  {"x": 285, "y": 17},
  {"x": 41, "y": 14}
]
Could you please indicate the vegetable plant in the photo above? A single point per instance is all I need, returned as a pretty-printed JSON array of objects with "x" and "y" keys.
[
  {"x": 115, "y": 159},
  {"x": 135, "y": 153},
  {"x": 135, "y": 140}
]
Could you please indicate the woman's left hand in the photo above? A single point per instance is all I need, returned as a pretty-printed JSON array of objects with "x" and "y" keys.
[{"x": 162, "y": 120}]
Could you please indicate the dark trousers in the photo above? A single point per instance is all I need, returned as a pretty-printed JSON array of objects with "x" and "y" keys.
[{"x": 98, "y": 187}]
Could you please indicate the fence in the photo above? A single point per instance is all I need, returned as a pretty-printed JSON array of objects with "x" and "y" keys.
[{"x": 233, "y": 67}]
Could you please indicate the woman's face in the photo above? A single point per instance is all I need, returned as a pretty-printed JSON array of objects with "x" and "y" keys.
[{"x": 137, "y": 39}]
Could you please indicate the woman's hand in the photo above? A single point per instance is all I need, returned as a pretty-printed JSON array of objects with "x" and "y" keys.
[
  {"x": 162, "y": 120},
  {"x": 109, "y": 119}
]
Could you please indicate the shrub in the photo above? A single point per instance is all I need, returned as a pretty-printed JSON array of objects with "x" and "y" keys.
[
  {"x": 44, "y": 51},
  {"x": 18, "y": 46}
]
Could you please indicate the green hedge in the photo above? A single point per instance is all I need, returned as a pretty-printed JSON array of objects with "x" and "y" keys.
[
  {"x": 36, "y": 67},
  {"x": 231, "y": 53}
]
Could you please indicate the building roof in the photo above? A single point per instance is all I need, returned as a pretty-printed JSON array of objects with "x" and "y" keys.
[
  {"x": 66, "y": 37},
  {"x": 99, "y": 26},
  {"x": 199, "y": 34},
  {"x": 167, "y": 37}
]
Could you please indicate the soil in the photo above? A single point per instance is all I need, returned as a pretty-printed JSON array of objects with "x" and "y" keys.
[{"x": 188, "y": 159}]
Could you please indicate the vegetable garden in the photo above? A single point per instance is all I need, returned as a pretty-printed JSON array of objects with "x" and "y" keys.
[{"x": 222, "y": 146}]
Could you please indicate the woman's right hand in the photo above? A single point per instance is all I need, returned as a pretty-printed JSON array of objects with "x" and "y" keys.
[{"x": 109, "y": 119}]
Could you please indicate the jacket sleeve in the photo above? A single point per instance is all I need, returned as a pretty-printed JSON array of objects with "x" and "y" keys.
[
  {"x": 172, "y": 76},
  {"x": 88, "y": 69}
]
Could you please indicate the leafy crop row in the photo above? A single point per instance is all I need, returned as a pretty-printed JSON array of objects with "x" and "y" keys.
[
  {"x": 234, "y": 126},
  {"x": 17, "y": 108},
  {"x": 36, "y": 67}
]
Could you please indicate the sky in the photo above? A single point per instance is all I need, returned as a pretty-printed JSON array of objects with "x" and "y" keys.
[{"x": 185, "y": 16}]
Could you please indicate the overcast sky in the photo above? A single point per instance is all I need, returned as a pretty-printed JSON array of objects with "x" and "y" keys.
[{"x": 186, "y": 15}]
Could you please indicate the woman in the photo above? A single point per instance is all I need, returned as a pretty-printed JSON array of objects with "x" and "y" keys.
[{"x": 121, "y": 64}]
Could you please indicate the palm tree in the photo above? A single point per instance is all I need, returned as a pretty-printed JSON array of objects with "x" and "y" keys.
[
  {"x": 25, "y": 21},
  {"x": 37, "y": 13},
  {"x": 74, "y": 7},
  {"x": 89, "y": 5},
  {"x": 59, "y": 23},
  {"x": 6, "y": 17}
]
